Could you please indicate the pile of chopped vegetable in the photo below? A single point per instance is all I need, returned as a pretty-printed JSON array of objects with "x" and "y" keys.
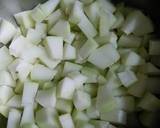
[{"x": 77, "y": 64}]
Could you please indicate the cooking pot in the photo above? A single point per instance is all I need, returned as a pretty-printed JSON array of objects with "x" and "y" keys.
[{"x": 149, "y": 7}]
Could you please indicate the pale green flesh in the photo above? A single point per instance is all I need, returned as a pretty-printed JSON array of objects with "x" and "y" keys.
[{"x": 77, "y": 64}]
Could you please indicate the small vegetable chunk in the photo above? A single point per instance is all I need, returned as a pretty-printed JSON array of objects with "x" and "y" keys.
[
  {"x": 66, "y": 88},
  {"x": 137, "y": 23},
  {"x": 6, "y": 58},
  {"x": 104, "y": 56},
  {"x": 47, "y": 98},
  {"x": 81, "y": 100},
  {"x": 5, "y": 94},
  {"x": 54, "y": 46},
  {"x": 127, "y": 78},
  {"x": 7, "y": 31},
  {"x": 42, "y": 73},
  {"x": 69, "y": 52},
  {"x": 66, "y": 121},
  {"x": 14, "y": 118},
  {"x": 29, "y": 93}
]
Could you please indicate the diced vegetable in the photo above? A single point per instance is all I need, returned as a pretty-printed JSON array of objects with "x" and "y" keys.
[
  {"x": 80, "y": 116},
  {"x": 87, "y": 48},
  {"x": 149, "y": 102},
  {"x": 137, "y": 23},
  {"x": 129, "y": 41},
  {"x": 64, "y": 106},
  {"x": 7, "y": 31},
  {"x": 66, "y": 121},
  {"x": 116, "y": 116},
  {"x": 66, "y": 88},
  {"x": 47, "y": 117},
  {"x": 6, "y": 58},
  {"x": 54, "y": 46},
  {"x": 81, "y": 100},
  {"x": 14, "y": 118},
  {"x": 78, "y": 78},
  {"x": 27, "y": 116},
  {"x": 127, "y": 78},
  {"x": 107, "y": 51},
  {"x": 5, "y": 94},
  {"x": 47, "y": 98},
  {"x": 107, "y": 20},
  {"x": 6, "y": 79},
  {"x": 154, "y": 47},
  {"x": 42, "y": 73},
  {"x": 15, "y": 101},
  {"x": 70, "y": 67},
  {"x": 19, "y": 45},
  {"x": 29, "y": 93},
  {"x": 69, "y": 52}
]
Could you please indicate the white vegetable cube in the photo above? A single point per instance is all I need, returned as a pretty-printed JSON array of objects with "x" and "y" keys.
[
  {"x": 132, "y": 59},
  {"x": 7, "y": 31},
  {"x": 129, "y": 41},
  {"x": 70, "y": 67},
  {"x": 14, "y": 118},
  {"x": 5, "y": 94},
  {"x": 90, "y": 73},
  {"x": 47, "y": 118},
  {"x": 69, "y": 52},
  {"x": 80, "y": 116},
  {"x": 78, "y": 78},
  {"x": 42, "y": 73},
  {"x": 47, "y": 98},
  {"x": 24, "y": 19},
  {"x": 15, "y": 101},
  {"x": 84, "y": 125},
  {"x": 66, "y": 5},
  {"x": 86, "y": 26},
  {"x": 49, "y": 6},
  {"x": 100, "y": 123},
  {"x": 92, "y": 112},
  {"x": 6, "y": 79},
  {"x": 66, "y": 121},
  {"x": 53, "y": 18},
  {"x": 12, "y": 68},
  {"x": 31, "y": 55},
  {"x": 76, "y": 13},
  {"x": 6, "y": 58},
  {"x": 23, "y": 69},
  {"x": 61, "y": 28},
  {"x": 4, "y": 110},
  {"x": 149, "y": 102},
  {"x": 19, "y": 45},
  {"x": 34, "y": 36},
  {"x": 37, "y": 14},
  {"x": 41, "y": 28},
  {"x": 29, "y": 92},
  {"x": 107, "y": 20},
  {"x": 66, "y": 88},
  {"x": 87, "y": 48},
  {"x": 154, "y": 46},
  {"x": 137, "y": 23},
  {"x": 81, "y": 100},
  {"x": 104, "y": 56},
  {"x": 54, "y": 46},
  {"x": 64, "y": 106},
  {"x": 46, "y": 60},
  {"x": 92, "y": 11},
  {"x": 27, "y": 116},
  {"x": 106, "y": 5},
  {"x": 127, "y": 78},
  {"x": 115, "y": 116}
]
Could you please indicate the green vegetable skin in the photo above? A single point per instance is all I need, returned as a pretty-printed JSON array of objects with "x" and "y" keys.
[{"x": 77, "y": 64}]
